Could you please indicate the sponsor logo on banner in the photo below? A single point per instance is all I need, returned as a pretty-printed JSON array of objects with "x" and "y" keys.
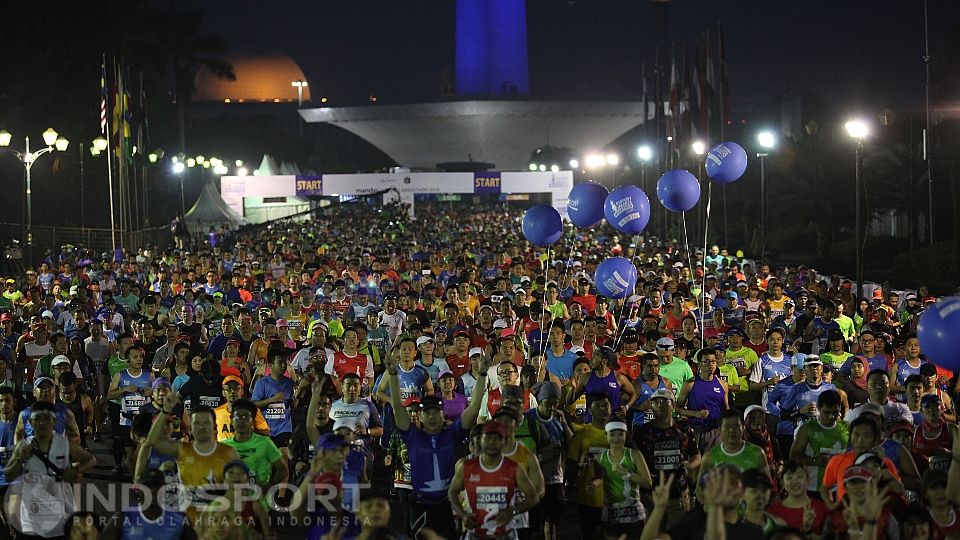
[
  {"x": 486, "y": 182},
  {"x": 309, "y": 186}
]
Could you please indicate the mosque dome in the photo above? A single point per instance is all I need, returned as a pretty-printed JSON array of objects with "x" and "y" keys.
[{"x": 261, "y": 78}]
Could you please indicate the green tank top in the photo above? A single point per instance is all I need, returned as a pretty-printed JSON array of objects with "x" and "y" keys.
[
  {"x": 824, "y": 441},
  {"x": 749, "y": 457},
  {"x": 618, "y": 488},
  {"x": 621, "y": 497}
]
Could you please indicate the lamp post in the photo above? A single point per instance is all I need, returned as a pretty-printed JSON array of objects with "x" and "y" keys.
[
  {"x": 54, "y": 142},
  {"x": 767, "y": 141},
  {"x": 858, "y": 130},
  {"x": 299, "y": 85}
]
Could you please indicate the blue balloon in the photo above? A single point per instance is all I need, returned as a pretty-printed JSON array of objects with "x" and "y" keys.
[
  {"x": 678, "y": 190},
  {"x": 616, "y": 277},
  {"x": 542, "y": 225},
  {"x": 585, "y": 203},
  {"x": 726, "y": 162},
  {"x": 939, "y": 333},
  {"x": 627, "y": 208}
]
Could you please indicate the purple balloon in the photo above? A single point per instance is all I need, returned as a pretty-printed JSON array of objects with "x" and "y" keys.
[
  {"x": 939, "y": 333},
  {"x": 585, "y": 203},
  {"x": 627, "y": 208},
  {"x": 616, "y": 277},
  {"x": 678, "y": 190},
  {"x": 726, "y": 162},
  {"x": 542, "y": 225}
]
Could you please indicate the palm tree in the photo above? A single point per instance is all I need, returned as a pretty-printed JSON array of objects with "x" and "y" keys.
[{"x": 185, "y": 50}]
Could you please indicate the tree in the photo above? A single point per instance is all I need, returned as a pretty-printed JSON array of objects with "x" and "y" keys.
[{"x": 184, "y": 50}]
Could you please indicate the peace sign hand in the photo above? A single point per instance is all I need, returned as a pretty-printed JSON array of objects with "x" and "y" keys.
[{"x": 661, "y": 493}]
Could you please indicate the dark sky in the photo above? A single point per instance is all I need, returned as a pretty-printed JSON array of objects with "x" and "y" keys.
[{"x": 854, "y": 53}]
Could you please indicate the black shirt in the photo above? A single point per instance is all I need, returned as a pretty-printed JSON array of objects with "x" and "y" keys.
[{"x": 693, "y": 526}]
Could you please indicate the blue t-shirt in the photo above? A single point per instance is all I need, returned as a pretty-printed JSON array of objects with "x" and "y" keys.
[
  {"x": 561, "y": 366},
  {"x": 168, "y": 526},
  {"x": 411, "y": 382},
  {"x": 799, "y": 396},
  {"x": 7, "y": 430},
  {"x": 277, "y": 415},
  {"x": 432, "y": 459},
  {"x": 59, "y": 426},
  {"x": 642, "y": 417}
]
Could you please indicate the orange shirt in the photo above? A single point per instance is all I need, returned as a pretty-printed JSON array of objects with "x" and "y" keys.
[{"x": 838, "y": 464}]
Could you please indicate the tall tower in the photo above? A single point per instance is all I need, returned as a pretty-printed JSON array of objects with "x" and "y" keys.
[{"x": 491, "y": 54}]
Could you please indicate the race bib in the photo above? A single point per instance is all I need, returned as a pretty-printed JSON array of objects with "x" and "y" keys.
[
  {"x": 133, "y": 402},
  {"x": 275, "y": 411},
  {"x": 666, "y": 459},
  {"x": 625, "y": 512}
]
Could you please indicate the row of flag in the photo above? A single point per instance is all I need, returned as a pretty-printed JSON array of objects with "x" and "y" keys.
[
  {"x": 697, "y": 100},
  {"x": 125, "y": 113}
]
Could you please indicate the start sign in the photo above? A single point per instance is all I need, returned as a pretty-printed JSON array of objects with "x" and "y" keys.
[
  {"x": 309, "y": 186},
  {"x": 486, "y": 182}
]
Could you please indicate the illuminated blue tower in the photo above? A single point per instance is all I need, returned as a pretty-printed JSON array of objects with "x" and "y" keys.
[{"x": 492, "y": 47}]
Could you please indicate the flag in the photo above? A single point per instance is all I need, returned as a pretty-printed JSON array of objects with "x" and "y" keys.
[
  {"x": 724, "y": 84},
  {"x": 143, "y": 127},
  {"x": 696, "y": 95},
  {"x": 121, "y": 121},
  {"x": 674, "y": 98},
  {"x": 711, "y": 103},
  {"x": 103, "y": 98}
]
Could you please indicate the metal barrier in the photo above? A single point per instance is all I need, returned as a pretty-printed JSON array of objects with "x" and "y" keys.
[{"x": 50, "y": 239}]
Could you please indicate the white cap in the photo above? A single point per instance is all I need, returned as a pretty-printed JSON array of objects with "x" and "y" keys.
[
  {"x": 614, "y": 426},
  {"x": 476, "y": 351},
  {"x": 60, "y": 359},
  {"x": 46, "y": 313},
  {"x": 752, "y": 408},
  {"x": 423, "y": 339},
  {"x": 347, "y": 422},
  {"x": 665, "y": 343},
  {"x": 499, "y": 323}
]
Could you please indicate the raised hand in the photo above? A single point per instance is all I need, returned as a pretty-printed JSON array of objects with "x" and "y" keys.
[{"x": 661, "y": 493}]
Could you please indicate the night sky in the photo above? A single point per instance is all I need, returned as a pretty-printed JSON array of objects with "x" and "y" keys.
[{"x": 854, "y": 53}]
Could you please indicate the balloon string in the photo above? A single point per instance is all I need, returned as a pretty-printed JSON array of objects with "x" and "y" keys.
[
  {"x": 543, "y": 304},
  {"x": 686, "y": 246},
  {"x": 622, "y": 329},
  {"x": 703, "y": 281}
]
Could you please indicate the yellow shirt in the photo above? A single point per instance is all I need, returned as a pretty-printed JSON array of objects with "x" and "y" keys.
[
  {"x": 297, "y": 326},
  {"x": 743, "y": 357},
  {"x": 588, "y": 440},
  {"x": 225, "y": 424},
  {"x": 198, "y": 470}
]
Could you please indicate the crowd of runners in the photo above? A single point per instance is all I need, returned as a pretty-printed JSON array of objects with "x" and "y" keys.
[{"x": 260, "y": 384}]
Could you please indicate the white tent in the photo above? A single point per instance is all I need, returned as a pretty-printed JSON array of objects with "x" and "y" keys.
[{"x": 211, "y": 210}]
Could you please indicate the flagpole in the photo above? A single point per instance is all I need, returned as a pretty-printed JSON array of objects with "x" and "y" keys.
[{"x": 113, "y": 224}]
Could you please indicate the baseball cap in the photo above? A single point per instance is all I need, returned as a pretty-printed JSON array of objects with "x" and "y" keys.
[
  {"x": 664, "y": 394},
  {"x": 4, "y": 317},
  {"x": 412, "y": 400},
  {"x": 232, "y": 378},
  {"x": 665, "y": 343},
  {"x": 236, "y": 463},
  {"x": 812, "y": 359},
  {"x": 445, "y": 373},
  {"x": 463, "y": 333},
  {"x": 878, "y": 294},
  {"x": 548, "y": 389},
  {"x": 615, "y": 426},
  {"x": 423, "y": 339},
  {"x": 39, "y": 380},
  {"x": 735, "y": 331},
  {"x": 60, "y": 359},
  {"x": 431, "y": 402},
  {"x": 858, "y": 472},
  {"x": 929, "y": 399},
  {"x": 904, "y": 426},
  {"x": 495, "y": 427},
  {"x": 910, "y": 296},
  {"x": 160, "y": 381},
  {"x": 46, "y": 314},
  {"x": 347, "y": 422},
  {"x": 331, "y": 441},
  {"x": 476, "y": 351},
  {"x": 709, "y": 333}
]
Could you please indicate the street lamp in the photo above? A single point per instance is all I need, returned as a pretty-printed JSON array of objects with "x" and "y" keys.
[
  {"x": 767, "y": 141},
  {"x": 594, "y": 161},
  {"x": 645, "y": 154},
  {"x": 299, "y": 84},
  {"x": 699, "y": 148},
  {"x": 54, "y": 142},
  {"x": 178, "y": 169},
  {"x": 858, "y": 129}
]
